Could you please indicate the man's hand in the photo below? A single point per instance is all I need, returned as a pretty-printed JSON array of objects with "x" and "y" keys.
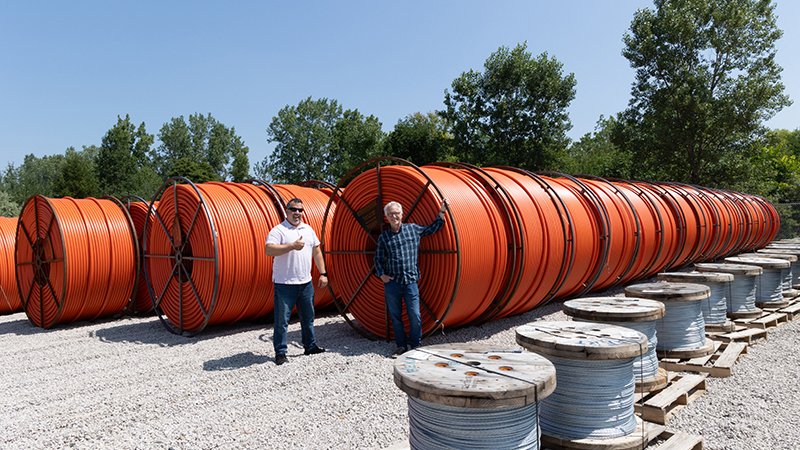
[
  {"x": 386, "y": 278},
  {"x": 323, "y": 281},
  {"x": 298, "y": 244}
]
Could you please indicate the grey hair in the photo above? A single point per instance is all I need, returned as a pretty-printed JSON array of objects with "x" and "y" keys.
[{"x": 389, "y": 205}]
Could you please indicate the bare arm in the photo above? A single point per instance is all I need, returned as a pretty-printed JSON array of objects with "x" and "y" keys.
[
  {"x": 316, "y": 253},
  {"x": 280, "y": 249}
]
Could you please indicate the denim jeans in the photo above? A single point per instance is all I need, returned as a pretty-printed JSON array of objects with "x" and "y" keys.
[
  {"x": 395, "y": 293},
  {"x": 287, "y": 296}
]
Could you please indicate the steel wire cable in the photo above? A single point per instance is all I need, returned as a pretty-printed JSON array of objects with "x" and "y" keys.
[
  {"x": 645, "y": 366},
  {"x": 434, "y": 426},
  {"x": 314, "y": 203},
  {"x": 682, "y": 327},
  {"x": 593, "y": 399},
  {"x": 715, "y": 307},
  {"x": 94, "y": 239},
  {"x": 742, "y": 293},
  {"x": 8, "y": 279},
  {"x": 770, "y": 285},
  {"x": 452, "y": 293}
]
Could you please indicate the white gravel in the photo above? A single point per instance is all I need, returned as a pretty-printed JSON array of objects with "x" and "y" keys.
[{"x": 130, "y": 384}]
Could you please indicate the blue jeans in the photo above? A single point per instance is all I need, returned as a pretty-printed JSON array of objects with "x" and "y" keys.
[
  {"x": 395, "y": 293},
  {"x": 287, "y": 296}
]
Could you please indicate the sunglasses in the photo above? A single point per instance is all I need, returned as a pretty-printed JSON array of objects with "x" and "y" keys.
[{"x": 297, "y": 210}]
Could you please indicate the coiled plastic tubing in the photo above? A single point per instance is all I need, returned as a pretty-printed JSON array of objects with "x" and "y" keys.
[
  {"x": 9, "y": 293},
  {"x": 141, "y": 303},
  {"x": 75, "y": 259},
  {"x": 514, "y": 240},
  {"x": 204, "y": 252}
]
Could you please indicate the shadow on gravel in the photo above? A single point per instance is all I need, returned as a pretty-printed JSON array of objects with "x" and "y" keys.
[{"x": 233, "y": 362}]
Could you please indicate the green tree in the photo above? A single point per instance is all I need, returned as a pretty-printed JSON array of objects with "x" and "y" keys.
[
  {"x": 304, "y": 137},
  {"x": 8, "y": 207},
  {"x": 706, "y": 79},
  {"x": 205, "y": 141},
  {"x": 35, "y": 176},
  {"x": 124, "y": 151},
  {"x": 421, "y": 139},
  {"x": 78, "y": 177},
  {"x": 514, "y": 113},
  {"x": 196, "y": 172},
  {"x": 595, "y": 154},
  {"x": 356, "y": 139}
]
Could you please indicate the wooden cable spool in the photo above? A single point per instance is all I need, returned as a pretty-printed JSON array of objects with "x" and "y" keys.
[
  {"x": 714, "y": 281},
  {"x": 766, "y": 289},
  {"x": 672, "y": 294},
  {"x": 622, "y": 311}
]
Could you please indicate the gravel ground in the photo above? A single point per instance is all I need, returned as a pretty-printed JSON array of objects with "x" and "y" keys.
[{"x": 130, "y": 384}]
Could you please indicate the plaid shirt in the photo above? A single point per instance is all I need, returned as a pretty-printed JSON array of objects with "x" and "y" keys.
[{"x": 397, "y": 254}]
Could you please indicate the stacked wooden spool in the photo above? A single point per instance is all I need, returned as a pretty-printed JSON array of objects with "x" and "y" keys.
[{"x": 719, "y": 286}]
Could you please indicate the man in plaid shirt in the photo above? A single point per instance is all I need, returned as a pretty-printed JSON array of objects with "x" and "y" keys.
[{"x": 396, "y": 263}]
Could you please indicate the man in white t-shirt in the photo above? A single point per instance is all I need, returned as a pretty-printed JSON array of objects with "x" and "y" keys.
[{"x": 293, "y": 244}]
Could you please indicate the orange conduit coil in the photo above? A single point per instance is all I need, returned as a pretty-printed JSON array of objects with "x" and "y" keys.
[
  {"x": 536, "y": 237},
  {"x": 590, "y": 224},
  {"x": 624, "y": 234},
  {"x": 314, "y": 203},
  {"x": 75, "y": 259},
  {"x": 141, "y": 303},
  {"x": 204, "y": 254},
  {"x": 544, "y": 260},
  {"x": 462, "y": 266},
  {"x": 9, "y": 294}
]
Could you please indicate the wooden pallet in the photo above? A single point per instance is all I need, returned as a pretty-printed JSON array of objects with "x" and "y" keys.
[
  {"x": 792, "y": 310},
  {"x": 718, "y": 364},
  {"x": 659, "y": 406},
  {"x": 766, "y": 322},
  {"x": 680, "y": 441},
  {"x": 740, "y": 334}
]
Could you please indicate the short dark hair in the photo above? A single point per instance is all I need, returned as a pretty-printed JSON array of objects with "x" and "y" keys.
[{"x": 294, "y": 200}]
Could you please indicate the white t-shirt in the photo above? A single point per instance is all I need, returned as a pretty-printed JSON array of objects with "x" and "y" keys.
[{"x": 293, "y": 267}]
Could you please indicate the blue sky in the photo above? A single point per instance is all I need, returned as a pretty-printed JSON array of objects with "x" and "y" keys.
[{"x": 67, "y": 69}]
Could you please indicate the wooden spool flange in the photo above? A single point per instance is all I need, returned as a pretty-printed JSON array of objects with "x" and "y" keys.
[
  {"x": 474, "y": 376},
  {"x": 766, "y": 264}
]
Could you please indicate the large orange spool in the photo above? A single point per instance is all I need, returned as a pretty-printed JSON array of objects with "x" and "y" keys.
[
  {"x": 204, "y": 254},
  {"x": 75, "y": 259},
  {"x": 590, "y": 224},
  {"x": 624, "y": 234},
  {"x": 650, "y": 226},
  {"x": 142, "y": 302},
  {"x": 545, "y": 229},
  {"x": 463, "y": 266},
  {"x": 9, "y": 293}
]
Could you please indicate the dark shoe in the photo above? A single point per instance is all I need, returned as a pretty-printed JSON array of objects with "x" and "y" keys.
[
  {"x": 280, "y": 359},
  {"x": 314, "y": 351},
  {"x": 398, "y": 352}
]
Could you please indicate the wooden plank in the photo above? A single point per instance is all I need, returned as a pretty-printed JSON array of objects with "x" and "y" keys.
[
  {"x": 680, "y": 441},
  {"x": 643, "y": 434},
  {"x": 742, "y": 334},
  {"x": 718, "y": 365}
]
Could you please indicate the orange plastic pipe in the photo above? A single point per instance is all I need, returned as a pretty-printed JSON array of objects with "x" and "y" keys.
[{"x": 9, "y": 293}]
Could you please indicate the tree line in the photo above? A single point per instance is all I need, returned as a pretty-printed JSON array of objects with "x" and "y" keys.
[{"x": 705, "y": 82}]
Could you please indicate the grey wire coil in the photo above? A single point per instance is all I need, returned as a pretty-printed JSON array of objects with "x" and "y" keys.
[
  {"x": 593, "y": 399},
  {"x": 682, "y": 327},
  {"x": 742, "y": 295},
  {"x": 435, "y": 426},
  {"x": 770, "y": 286},
  {"x": 715, "y": 307},
  {"x": 646, "y": 366}
]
